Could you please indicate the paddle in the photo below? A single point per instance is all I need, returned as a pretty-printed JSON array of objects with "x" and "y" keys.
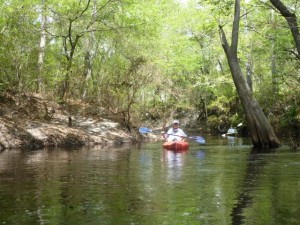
[{"x": 145, "y": 130}]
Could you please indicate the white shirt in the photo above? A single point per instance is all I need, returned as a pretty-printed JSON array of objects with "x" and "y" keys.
[
  {"x": 175, "y": 134},
  {"x": 231, "y": 131}
]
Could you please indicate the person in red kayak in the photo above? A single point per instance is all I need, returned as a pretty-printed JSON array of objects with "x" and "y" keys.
[{"x": 175, "y": 133}]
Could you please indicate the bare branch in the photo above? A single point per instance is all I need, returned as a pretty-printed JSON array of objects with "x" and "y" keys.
[{"x": 291, "y": 20}]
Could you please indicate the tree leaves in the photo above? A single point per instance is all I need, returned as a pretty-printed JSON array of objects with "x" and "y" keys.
[{"x": 183, "y": 61}]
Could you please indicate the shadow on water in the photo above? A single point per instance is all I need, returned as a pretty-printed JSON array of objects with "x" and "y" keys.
[{"x": 253, "y": 171}]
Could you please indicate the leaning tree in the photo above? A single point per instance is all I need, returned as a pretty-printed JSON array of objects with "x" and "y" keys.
[{"x": 261, "y": 131}]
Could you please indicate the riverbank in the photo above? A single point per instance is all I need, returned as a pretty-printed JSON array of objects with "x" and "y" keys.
[{"x": 32, "y": 122}]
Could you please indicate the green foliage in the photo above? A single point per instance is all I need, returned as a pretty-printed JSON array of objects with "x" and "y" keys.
[
  {"x": 18, "y": 46},
  {"x": 160, "y": 57}
]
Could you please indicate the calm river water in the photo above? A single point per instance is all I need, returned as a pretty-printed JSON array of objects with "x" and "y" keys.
[{"x": 215, "y": 184}]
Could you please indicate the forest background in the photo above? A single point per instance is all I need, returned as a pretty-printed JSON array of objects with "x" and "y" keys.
[{"x": 146, "y": 62}]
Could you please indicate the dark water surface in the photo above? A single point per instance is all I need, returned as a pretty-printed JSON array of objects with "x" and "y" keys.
[{"x": 219, "y": 183}]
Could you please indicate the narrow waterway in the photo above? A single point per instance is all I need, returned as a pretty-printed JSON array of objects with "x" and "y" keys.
[{"x": 222, "y": 182}]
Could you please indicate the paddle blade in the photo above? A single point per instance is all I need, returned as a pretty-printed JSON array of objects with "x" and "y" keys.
[
  {"x": 144, "y": 130},
  {"x": 198, "y": 139}
]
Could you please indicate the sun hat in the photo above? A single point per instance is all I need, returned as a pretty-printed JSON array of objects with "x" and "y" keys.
[{"x": 175, "y": 121}]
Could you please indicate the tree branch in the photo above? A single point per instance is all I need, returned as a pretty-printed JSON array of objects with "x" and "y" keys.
[
  {"x": 235, "y": 28},
  {"x": 291, "y": 20}
]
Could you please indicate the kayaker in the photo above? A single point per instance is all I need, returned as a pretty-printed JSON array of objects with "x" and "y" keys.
[
  {"x": 231, "y": 130},
  {"x": 175, "y": 133}
]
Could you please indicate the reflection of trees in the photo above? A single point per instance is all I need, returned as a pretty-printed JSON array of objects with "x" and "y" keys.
[
  {"x": 56, "y": 185},
  {"x": 270, "y": 191},
  {"x": 248, "y": 186}
]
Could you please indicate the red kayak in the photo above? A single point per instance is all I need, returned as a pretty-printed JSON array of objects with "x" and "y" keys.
[{"x": 176, "y": 145}]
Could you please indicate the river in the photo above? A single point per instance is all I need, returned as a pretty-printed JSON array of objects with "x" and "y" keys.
[{"x": 222, "y": 182}]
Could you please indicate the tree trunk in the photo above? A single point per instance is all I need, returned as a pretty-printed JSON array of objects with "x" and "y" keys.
[
  {"x": 261, "y": 131},
  {"x": 89, "y": 55},
  {"x": 249, "y": 69},
  {"x": 87, "y": 72},
  {"x": 64, "y": 87},
  {"x": 70, "y": 43},
  {"x": 41, "y": 55}
]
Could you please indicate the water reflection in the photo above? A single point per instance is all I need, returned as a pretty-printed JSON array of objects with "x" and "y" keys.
[
  {"x": 234, "y": 141},
  {"x": 231, "y": 140},
  {"x": 200, "y": 154},
  {"x": 145, "y": 166},
  {"x": 148, "y": 185},
  {"x": 249, "y": 184},
  {"x": 175, "y": 162},
  {"x": 266, "y": 193}
]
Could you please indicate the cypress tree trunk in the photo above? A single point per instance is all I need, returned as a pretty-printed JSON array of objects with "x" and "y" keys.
[{"x": 261, "y": 131}]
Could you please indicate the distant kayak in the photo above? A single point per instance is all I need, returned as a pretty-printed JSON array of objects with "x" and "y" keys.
[{"x": 176, "y": 145}]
